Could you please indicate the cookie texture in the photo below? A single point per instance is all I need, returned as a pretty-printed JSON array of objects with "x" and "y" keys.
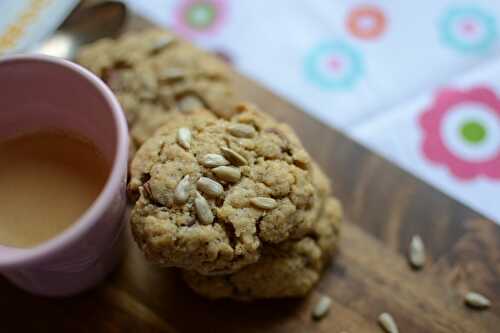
[
  {"x": 288, "y": 269},
  {"x": 212, "y": 192},
  {"x": 155, "y": 76}
]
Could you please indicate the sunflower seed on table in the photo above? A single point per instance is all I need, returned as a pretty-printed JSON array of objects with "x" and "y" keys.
[
  {"x": 264, "y": 203},
  {"x": 203, "y": 211},
  {"x": 416, "y": 252},
  {"x": 227, "y": 173},
  {"x": 477, "y": 301},
  {"x": 387, "y": 323},
  {"x": 209, "y": 187},
  {"x": 189, "y": 103},
  {"x": 184, "y": 137},
  {"x": 241, "y": 130},
  {"x": 322, "y": 307},
  {"x": 214, "y": 160},
  {"x": 233, "y": 156},
  {"x": 181, "y": 193}
]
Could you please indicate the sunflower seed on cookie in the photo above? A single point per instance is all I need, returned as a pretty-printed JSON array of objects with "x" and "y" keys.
[
  {"x": 189, "y": 104},
  {"x": 227, "y": 173},
  {"x": 209, "y": 186},
  {"x": 184, "y": 137},
  {"x": 264, "y": 203},
  {"x": 162, "y": 42},
  {"x": 171, "y": 73},
  {"x": 203, "y": 210},
  {"x": 233, "y": 156},
  {"x": 181, "y": 193},
  {"x": 241, "y": 130},
  {"x": 214, "y": 160}
]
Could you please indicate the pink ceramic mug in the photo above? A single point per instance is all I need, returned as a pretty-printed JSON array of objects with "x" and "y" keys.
[{"x": 40, "y": 92}]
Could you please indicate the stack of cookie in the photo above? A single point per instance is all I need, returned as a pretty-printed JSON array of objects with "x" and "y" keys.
[{"x": 221, "y": 190}]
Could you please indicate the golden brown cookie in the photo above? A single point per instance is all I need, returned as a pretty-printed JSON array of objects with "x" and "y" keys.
[
  {"x": 155, "y": 75},
  {"x": 213, "y": 191},
  {"x": 288, "y": 269}
]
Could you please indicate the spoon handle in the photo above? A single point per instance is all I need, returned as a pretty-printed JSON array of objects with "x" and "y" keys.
[{"x": 84, "y": 25}]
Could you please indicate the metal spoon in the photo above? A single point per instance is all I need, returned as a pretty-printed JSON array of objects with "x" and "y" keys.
[{"x": 85, "y": 25}]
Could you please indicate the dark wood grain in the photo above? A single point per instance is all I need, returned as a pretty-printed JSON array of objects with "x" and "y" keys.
[{"x": 384, "y": 205}]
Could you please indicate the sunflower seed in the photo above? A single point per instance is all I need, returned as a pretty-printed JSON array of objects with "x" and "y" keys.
[
  {"x": 161, "y": 42},
  {"x": 416, "y": 253},
  {"x": 322, "y": 307},
  {"x": 387, "y": 323},
  {"x": 147, "y": 191},
  {"x": 227, "y": 173},
  {"x": 241, "y": 130},
  {"x": 146, "y": 94},
  {"x": 203, "y": 210},
  {"x": 233, "y": 156},
  {"x": 181, "y": 193},
  {"x": 189, "y": 103},
  {"x": 477, "y": 301},
  {"x": 301, "y": 159},
  {"x": 279, "y": 133},
  {"x": 214, "y": 160},
  {"x": 171, "y": 73},
  {"x": 209, "y": 187},
  {"x": 264, "y": 203},
  {"x": 184, "y": 137},
  {"x": 149, "y": 82}
]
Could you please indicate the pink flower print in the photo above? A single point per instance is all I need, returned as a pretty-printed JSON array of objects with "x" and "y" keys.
[
  {"x": 461, "y": 131},
  {"x": 199, "y": 17}
]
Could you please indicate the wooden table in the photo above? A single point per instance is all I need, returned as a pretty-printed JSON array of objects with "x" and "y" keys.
[{"x": 384, "y": 207}]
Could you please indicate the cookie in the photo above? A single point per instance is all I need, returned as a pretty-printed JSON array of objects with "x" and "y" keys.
[
  {"x": 156, "y": 75},
  {"x": 213, "y": 191},
  {"x": 288, "y": 269}
]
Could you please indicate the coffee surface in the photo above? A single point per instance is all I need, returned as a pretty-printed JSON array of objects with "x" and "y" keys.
[{"x": 47, "y": 181}]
